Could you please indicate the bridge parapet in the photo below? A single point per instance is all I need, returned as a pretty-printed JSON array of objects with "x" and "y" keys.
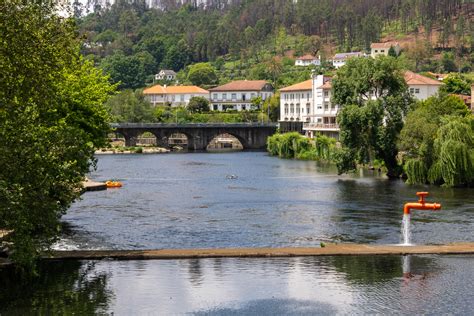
[{"x": 251, "y": 135}]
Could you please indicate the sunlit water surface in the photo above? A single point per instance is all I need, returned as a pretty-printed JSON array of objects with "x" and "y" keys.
[
  {"x": 433, "y": 285},
  {"x": 249, "y": 199}
]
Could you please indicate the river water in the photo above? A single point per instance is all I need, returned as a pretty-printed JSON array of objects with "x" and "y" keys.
[{"x": 249, "y": 199}]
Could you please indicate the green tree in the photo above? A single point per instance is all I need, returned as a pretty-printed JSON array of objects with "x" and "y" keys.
[
  {"x": 131, "y": 107},
  {"x": 374, "y": 100},
  {"x": 456, "y": 84},
  {"x": 424, "y": 142},
  {"x": 271, "y": 107},
  {"x": 202, "y": 74},
  {"x": 448, "y": 63},
  {"x": 51, "y": 120},
  {"x": 127, "y": 71},
  {"x": 198, "y": 105}
]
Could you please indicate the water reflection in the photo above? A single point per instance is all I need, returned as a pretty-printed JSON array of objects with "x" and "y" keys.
[
  {"x": 62, "y": 288},
  {"x": 265, "y": 286}
]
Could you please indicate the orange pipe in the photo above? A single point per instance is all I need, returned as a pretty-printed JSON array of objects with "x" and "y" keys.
[{"x": 421, "y": 204}]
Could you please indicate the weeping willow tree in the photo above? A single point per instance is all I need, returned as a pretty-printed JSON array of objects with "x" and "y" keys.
[
  {"x": 437, "y": 143},
  {"x": 454, "y": 152},
  {"x": 294, "y": 145}
]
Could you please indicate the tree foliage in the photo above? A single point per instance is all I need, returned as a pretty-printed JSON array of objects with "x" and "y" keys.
[
  {"x": 374, "y": 100},
  {"x": 129, "y": 106},
  {"x": 51, "y": 119},
  {"x": 198, "y": 105},
  {"x": 437, "y": 142},
  {"x": 202, "y": 74}
]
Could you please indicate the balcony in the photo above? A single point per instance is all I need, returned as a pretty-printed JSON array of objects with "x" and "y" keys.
[{"x": 321, "y": 127}]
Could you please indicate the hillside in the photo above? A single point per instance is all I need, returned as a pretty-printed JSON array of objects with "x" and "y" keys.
[{"x": 256, "y": 39}]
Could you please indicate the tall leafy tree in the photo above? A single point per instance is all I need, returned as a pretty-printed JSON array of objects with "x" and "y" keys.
[
  {"x": 374, "y": 100},
  {"x": 51, "y": 119}
]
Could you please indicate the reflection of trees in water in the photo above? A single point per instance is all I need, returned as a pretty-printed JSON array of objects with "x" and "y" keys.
[
  {"x": 373, "y": 269},
  {"x": 195, "y": 272},
  {"x": 61, "y": 288}
]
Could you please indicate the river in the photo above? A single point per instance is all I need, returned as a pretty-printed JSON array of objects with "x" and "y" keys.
[{"x": 249, "y": 199}]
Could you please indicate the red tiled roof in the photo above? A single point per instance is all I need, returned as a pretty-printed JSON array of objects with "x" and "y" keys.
[
  {"x": 412, "y": 78},
  {"x": 241, "y": 85},
  {"x": 157, "y": 89},
  {"x": 305, "y": 85},
  {"x": 306, "y": 57},
  {"x": 384, "y": 45}
]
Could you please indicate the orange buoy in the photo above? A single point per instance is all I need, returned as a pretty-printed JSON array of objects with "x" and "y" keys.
[{"x": 113, "y": 184}]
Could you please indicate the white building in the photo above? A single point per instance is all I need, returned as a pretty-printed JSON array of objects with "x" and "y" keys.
[
  {"x": 421, "y": 87},
  {"x": 296, "y": 102},
  {"x": 340, "y": 59},
  {"x": 238, "y": 95},
  {"x": 173, "y": 95},
  {"x": 165, "y": 75},
  {"x": 322, "y": 113},
  {"x": 383, "y": 48},
  {"x": 323, "y": 119},
  {"x": 308, "y": 60}
]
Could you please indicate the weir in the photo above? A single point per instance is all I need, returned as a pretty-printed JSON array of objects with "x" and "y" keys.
[{"x": 328, "y": 250}]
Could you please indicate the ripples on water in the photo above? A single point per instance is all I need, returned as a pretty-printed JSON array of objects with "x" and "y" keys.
[
  {"x": 302, "y": 286},
  {"x": 189, "y": 201}
]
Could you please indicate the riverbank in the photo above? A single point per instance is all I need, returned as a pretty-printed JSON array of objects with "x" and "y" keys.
[{"x": 131, "y": 150}]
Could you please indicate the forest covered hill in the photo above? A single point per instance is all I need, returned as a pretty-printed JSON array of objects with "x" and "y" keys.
[{"x": 257, "y": 39}]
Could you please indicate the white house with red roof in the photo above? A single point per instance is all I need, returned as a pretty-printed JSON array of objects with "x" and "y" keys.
[
  {"x": 238, "y": 95},
  {"x": 377, "y": 49},
  {"x": 308, "y": 60},
  {"x": 421, "y": 87},
  {"x": 173, "y": 95},
  {"x": 296, "y": 102}
]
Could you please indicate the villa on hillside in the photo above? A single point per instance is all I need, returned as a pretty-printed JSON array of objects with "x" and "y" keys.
[
  {"x": 308, "y": 60},
  {"x": 165, "y": 75},
  {"x": 383, "y": 48},
  {"x": 421, "y": 87},
  {"x": 238, "y": 95},
  {"x": 173, "y": 95},
  {"x": 340, "y": 59},
  {"x": 322, "y": 113}
]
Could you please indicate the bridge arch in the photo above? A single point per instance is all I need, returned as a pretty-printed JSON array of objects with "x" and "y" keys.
[{"x": 226, "y": 139}]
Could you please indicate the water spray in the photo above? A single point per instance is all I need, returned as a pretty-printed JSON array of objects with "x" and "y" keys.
[{"x": 420, "y": 205}]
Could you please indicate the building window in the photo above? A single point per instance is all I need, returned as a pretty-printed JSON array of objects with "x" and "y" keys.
[
  {"x": 376, "y": 51},
  {"x": 182, "y": 98},
  {"x": 417, "y": 90},
  {"x": 216, "y": 107},
  {"x": 326, "y": 106},
  {"x": 382, "y": 51},
  {"x": 412, "y": 90},
  {"x": 326, "y": 93},
  {"x": 243, "y": 96},
  {"x": 214, "y": 96},
  {"x": 224, "y": 96},
  {"x": 253, "y": 96},
  {"x": 243, "y": 107},
  {"x": 234, "y": 96}
]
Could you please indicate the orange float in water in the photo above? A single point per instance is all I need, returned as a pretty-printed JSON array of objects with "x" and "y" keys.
[{"x": 113, "y": 184}]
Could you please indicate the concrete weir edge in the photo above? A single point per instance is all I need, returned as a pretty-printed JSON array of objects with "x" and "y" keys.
[{"x": 328, "y": 250}]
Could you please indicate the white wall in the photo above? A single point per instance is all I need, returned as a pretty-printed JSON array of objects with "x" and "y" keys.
[
  {"x": 236, "y": 100},
  {"x": 296, "y": 105},
  {"x": 423, "y": 92}
]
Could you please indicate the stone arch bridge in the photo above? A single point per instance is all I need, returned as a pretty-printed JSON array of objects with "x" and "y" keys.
[{"x": 250, "y": 135}]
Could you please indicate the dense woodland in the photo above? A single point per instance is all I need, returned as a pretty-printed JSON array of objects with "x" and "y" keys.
[{"x": 132, "y": 39}]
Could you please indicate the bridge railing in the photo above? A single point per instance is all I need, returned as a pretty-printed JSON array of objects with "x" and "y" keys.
[{"x": 190, "y": 125}]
